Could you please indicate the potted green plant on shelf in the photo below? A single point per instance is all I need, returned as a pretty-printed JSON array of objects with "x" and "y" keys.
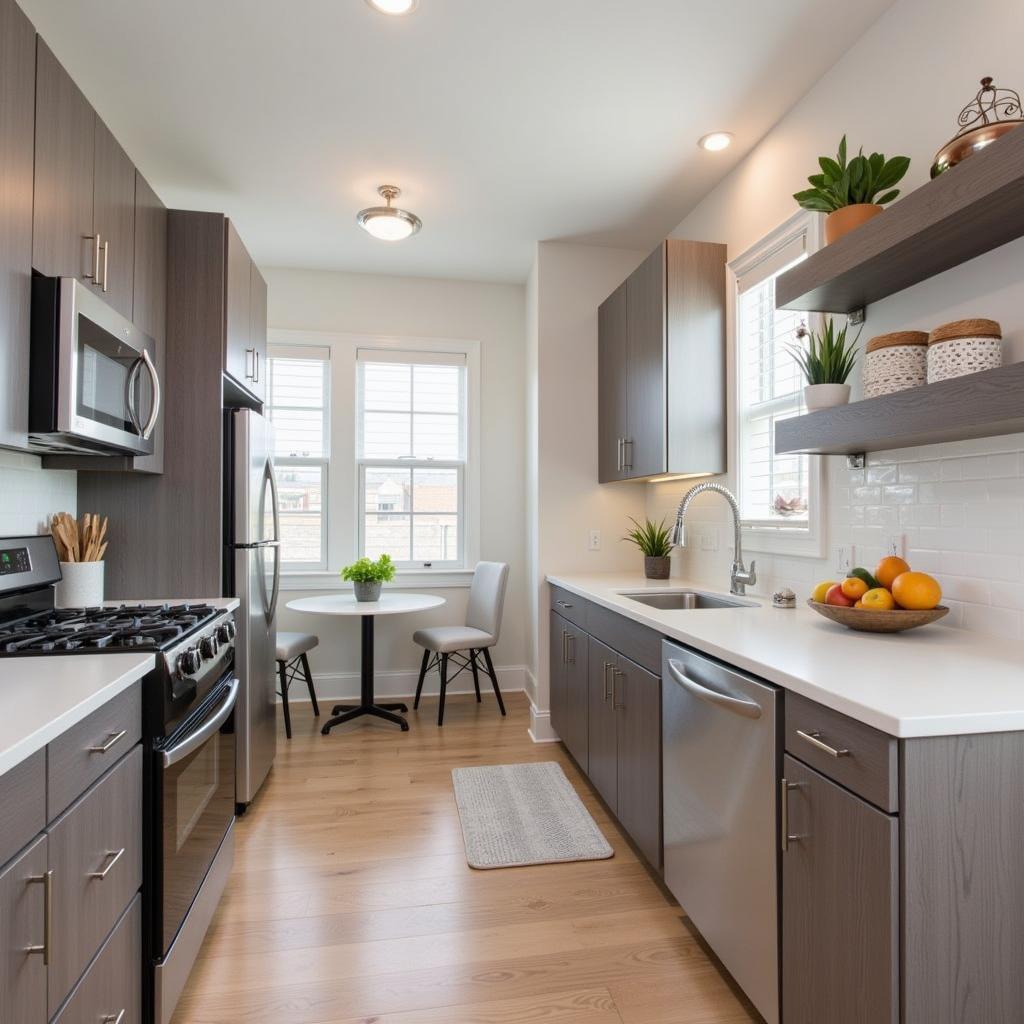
[
  {"x": 852, "y": 193},
  {"x": 367, "y": 576},
  {"x": 655, "y": 541},
  {"x": 827, "y": 362}
]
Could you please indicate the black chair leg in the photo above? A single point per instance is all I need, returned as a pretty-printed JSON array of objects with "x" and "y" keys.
[
  {"x": 476, "y": 675},
  {"x": 494, "y": 679},
  {"x": 444, "y": 685},
  {"x": 283, "y": 676},
  {"x": 419, "y": 684},
  {"x": 309, "y": 684}
]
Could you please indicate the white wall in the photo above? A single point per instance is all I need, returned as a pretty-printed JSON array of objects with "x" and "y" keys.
[
  {"x": 959, "y": 506},
  {"x": 32, "y": 494},
  {"x": 567, "y": 284},
  {"x": 494, "y": 315}
]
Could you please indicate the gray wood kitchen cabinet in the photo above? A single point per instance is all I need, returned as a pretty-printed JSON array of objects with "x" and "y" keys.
[
  {"x": 114, "y": 220},
  {"x": 602, "y": 726},
  {"x": 569, "y": 687},
  {"x": 840, "y": 905},
  {"x": 258, "y": 331},
  {"x": 17, "y": 120},
  {"x": 661, "y": 366},
  {"x": 24, "y": 892},
  {"x": 245, "y": 336},
  {"x": 63, "y": 240}
]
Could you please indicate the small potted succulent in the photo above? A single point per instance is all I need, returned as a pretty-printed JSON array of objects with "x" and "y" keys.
[
  {"x": 367, "y": 576},
  {"x": 655, "y": 541},
  {"x": 826, "y": 362},
  {"x": 852, "y": 193}
]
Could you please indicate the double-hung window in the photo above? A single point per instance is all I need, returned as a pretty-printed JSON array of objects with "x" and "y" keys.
[
  {"x": 779, "y": 494},
  {"x": 298, "y": 405},
  {"x": 411, "y": 455}
]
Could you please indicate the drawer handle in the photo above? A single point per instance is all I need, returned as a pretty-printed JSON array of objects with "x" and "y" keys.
[
  {"x": 563, "y": 604},
  {"x": 114, "y": 738},
  {"x": 815, "y": 740},
  {"x": 47, "y": 882},
  {"x": 608, "y": 686},
  {"x": 115, "y": 856},
  {"x": 785, "y": 786},
  {"x": 115, "y": 1018},
  {"x": 617, "y": 705}
]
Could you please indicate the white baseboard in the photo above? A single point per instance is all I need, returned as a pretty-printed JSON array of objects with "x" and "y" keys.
[
  {"x": 341, "y": 686},
  {"x": 540, "y": 729}
]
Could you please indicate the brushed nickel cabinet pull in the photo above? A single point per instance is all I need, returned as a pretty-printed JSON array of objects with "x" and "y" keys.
[
  {"x": 111, "y": 741},
  {"x": 618, "y": 464},
  {"x": 785, "y": 836},
  {"x": 815, "y": 740},
  {"x": 44, "y": 950},
  {"x": 115, "y": 856},
  {"x": 607, "y": 687},
  {"x": 627, "y": 463},
  {"x": 93, "y": 274},
  {"x": 115, "y": 1018},
  {"x": 617, "y": 705},
  {"x": 572, "y": 647},
  {"x": 563, "y": 604},
  {"x": 106, "y": 264}
]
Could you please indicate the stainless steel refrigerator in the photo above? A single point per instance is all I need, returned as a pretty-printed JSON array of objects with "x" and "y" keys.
[{"x": 252, "y": 571}]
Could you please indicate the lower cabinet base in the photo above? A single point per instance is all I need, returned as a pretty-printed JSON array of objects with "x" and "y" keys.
[{"x": 172, "y": 974}]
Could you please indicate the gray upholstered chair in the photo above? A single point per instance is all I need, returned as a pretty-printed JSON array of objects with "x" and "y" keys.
[
  {"x": 291, "y": 661},
  {"x": 465, "y": 644}
]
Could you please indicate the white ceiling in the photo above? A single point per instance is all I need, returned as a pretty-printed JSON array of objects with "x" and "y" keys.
[{"x": 503, "y": 122}]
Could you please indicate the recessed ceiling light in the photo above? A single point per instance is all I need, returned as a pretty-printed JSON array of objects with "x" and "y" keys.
[
  {"x": 393, "y": 6},
  {"x": 388, "y": 223},
  {"x": 714, "y": 141}
]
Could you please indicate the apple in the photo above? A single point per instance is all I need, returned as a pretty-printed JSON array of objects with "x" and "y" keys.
[{"x": 836, "y": 596}]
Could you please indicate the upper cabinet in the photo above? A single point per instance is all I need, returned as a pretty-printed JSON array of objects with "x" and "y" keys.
[
  {"x": 661, "y": 366},
  {"x": 17, "y": 97},
  {"x": 84, "y": 211},
  {"x": 245, "y": 334}
]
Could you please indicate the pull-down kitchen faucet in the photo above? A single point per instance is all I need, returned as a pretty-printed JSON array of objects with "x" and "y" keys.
[{"x": 741, "y": 577}]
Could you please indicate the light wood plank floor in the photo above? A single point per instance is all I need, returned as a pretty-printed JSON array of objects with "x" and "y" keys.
[{"x": 351, "y": 901}]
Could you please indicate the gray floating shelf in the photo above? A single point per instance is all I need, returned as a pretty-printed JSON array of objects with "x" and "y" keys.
[
  {"x": 986, "y": 404},
  {"x": 972, "y": 208}
]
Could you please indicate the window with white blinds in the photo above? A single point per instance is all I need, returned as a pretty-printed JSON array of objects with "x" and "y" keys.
[
  {"x": 411, "y": 454},
  {"x": 777, "y": 493},
  {"x": 298, "y": 405}
]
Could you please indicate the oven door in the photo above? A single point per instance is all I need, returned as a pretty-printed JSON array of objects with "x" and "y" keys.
[
  {"x": 196, "y": 769},
  {"x": 109, "y": 391}
]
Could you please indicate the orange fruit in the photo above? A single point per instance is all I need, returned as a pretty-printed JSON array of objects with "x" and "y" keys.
[
  {"x": 916, "y": 590},
  {"x": 859, "y": 604},
  {"x": 889, "y": 568},
  {"x": 877, "y": 600},
  {"x": 854, "y": 588}
]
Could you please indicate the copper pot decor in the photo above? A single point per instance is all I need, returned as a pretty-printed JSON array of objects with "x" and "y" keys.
[
  {"x": 844, "y": 220},
  {"x": 989, "y": 116}
]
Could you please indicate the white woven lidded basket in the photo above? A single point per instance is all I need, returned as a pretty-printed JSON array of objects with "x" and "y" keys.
[
  {"x": 962, "y": 347},
  {"x": 895, "y": 362}
]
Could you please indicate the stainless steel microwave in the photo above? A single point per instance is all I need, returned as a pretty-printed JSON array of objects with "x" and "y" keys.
[{"x": 94, "y": 387}]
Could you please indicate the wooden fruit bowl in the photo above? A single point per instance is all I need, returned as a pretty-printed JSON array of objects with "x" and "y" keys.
[{"x": 895, "y": 621}]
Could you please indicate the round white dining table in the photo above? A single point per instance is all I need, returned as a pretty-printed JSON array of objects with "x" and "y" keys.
[{"x": 347, "y": 605}]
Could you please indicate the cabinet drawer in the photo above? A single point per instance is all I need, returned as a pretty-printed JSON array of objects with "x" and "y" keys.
[
  {"x": 82, "y": 754},
  {"x": 863, "y": 759},
  {"x": 23, "y": 896},
  {"x": 96, "y": 859},
  {"x": 638, "y": 643},
  {"x": 113, "y": 984},
  {"x": 22, "y": 804},
  {"x": 569, "y": 606}
]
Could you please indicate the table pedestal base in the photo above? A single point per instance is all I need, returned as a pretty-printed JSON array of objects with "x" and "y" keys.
[{"x": 366, "y": 706}]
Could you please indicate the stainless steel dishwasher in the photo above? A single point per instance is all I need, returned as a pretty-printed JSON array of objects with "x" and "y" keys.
[{"x": 721, "y": 768}]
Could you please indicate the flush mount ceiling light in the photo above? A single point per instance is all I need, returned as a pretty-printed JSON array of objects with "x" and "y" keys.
[
  {"x": 393, "y": 6},
  {"x": 714, "y": 141},
  {"x": 388, "y": 223}
]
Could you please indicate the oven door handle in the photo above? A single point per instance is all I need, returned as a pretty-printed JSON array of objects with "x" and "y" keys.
[{"x": 193, "y": 742}]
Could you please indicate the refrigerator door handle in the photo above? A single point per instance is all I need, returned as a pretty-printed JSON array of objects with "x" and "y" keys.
[
  {"x": 275, "y": 542},
  {"x": 272, "y": 477}
]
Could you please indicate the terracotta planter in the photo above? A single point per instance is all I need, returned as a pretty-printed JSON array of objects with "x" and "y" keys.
[
  {"x": 657, "y": 568},
  {"x": 825, "y": 396},
  {"x": 843, "y": 221}
]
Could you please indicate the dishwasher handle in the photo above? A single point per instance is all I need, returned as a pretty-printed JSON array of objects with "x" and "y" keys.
[{"x": 746, "y": 708}]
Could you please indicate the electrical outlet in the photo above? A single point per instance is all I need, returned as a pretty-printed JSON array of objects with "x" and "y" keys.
[
  {"x": 844, "y": 559},
  {"x": 709, "y": 540},
  {"x": 594, "y": 540},
  {"x": 896, "y": 544}
]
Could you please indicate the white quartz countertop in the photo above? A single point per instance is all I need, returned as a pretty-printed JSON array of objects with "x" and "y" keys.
[
  {"x": 932, "y": 681},
  {"x": 42, "y": 697}
]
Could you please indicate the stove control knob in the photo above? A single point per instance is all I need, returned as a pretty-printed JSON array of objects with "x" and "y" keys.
[
  {"x": 189, "y": 662},
  {"x": 208, "y": 647},
  {"x": 226, "y": 632}
]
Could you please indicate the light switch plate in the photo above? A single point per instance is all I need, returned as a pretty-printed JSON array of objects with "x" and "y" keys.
[
  {"x": 594, "y": 540},
  {"x": 844, "y": 559},
  {"x": 709, "y": 540}
]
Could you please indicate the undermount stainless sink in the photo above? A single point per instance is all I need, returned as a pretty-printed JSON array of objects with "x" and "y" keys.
[{"x": 687, "y": 600}]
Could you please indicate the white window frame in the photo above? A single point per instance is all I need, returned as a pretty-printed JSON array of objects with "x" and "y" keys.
[
  {"x": 341, "y": 504},
  {"x": 317, "y": 352},
  {"x": 412, "y": 464},
  {"x": 808, "y": 539}
]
